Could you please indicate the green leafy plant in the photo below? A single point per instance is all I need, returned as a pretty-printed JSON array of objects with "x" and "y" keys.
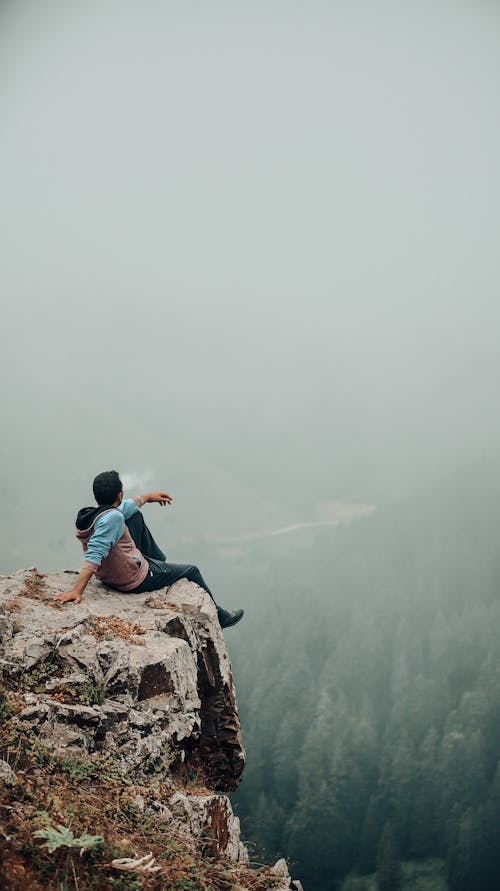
[
  {"x": 6, "y": 709},
  {"x": 61, "y": 836},
  {"x": 91, "y": 693},
  {"x": 35, "y": 681}
]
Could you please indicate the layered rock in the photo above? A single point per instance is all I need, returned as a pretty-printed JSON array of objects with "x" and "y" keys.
[
  {"x": 146, "y": 678},
  {"x": 142, "y": 680}
]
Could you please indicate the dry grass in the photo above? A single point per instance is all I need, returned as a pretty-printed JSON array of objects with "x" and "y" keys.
[
  {"x": 34, "y": 588},
  {"x": 107, "y": 627},
  {"x": 90, "y": 795},
  {"x": 158, "y": 603},
  {"x": 34, "y": 585}
]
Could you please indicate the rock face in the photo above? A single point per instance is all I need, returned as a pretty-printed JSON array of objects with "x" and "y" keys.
[
  {"x": 146, "y": 678},
  {"x": 210, "y": 819},
  {"x": 142, "y": 679}
]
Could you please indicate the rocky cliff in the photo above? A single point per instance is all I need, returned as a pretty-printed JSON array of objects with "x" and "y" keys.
[{"x": 124, "y": 695}]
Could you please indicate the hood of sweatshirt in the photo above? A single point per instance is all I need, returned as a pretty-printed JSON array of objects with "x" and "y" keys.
[{"x": 88, "y": 515}]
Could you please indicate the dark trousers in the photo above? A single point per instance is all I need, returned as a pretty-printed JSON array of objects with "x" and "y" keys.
[{"x": 160, "y": 573}]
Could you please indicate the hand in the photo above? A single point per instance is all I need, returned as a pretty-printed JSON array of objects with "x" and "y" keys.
[
  {"x": 84, "y": 577},
  {"x": 162, "y": 498},
  {"x": 67, "y": 596}
]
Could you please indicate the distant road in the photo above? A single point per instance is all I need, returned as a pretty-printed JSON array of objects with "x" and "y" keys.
[{"x": 345, "y": 513}]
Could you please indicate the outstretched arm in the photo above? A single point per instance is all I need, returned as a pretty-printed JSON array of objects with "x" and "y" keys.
[{"x": 162, "y": 498}]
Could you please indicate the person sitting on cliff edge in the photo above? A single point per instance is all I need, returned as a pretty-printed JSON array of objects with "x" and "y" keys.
[{"x": 122, "y": 553}]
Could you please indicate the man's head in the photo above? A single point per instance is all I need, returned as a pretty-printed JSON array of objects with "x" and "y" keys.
[{"x": 107, "y": 487}]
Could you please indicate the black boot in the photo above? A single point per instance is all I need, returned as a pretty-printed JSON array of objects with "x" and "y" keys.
[{"x": 229, "y": 617}]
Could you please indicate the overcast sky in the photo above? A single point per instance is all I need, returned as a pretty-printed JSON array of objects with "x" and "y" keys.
[{"x": 257, "y": 235}]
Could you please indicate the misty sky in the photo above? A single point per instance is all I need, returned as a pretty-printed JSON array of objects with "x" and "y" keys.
[{"x": 255, "y": 237}]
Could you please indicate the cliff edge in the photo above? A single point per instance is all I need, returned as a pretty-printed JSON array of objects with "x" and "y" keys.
[{"x": 129, "y": 695}]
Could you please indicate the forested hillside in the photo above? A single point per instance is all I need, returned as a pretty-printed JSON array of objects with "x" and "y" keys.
[{"x": 368, "y": 678}]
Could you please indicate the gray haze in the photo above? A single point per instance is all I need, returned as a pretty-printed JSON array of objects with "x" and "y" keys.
[{"x": 249, "y": 254}]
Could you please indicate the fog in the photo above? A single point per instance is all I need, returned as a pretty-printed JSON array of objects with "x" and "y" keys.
[
  {"x": 248, "y": 250},
  {"x": 249, "y": 254}
]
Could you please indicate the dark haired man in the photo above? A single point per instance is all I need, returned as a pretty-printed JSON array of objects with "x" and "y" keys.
[{"x": 120, "y": 550}]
